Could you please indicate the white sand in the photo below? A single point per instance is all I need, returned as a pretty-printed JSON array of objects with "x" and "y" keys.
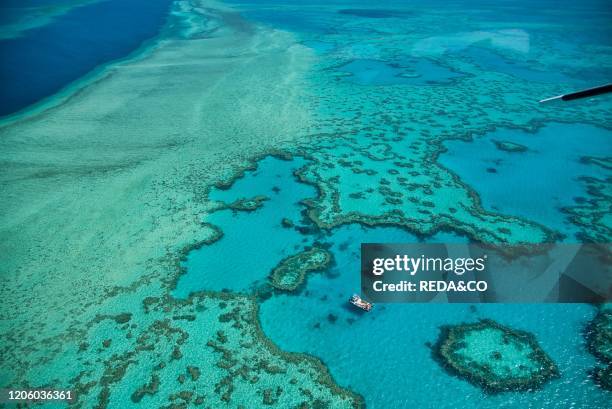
[{"x": 106, "y": 187}]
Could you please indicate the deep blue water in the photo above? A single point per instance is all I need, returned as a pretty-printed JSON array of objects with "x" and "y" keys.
[{"x": 45, "y": 59}]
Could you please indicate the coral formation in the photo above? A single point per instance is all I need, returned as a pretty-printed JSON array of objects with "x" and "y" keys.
[
  {"x": 599, "y": 342},
  {"x": 508, "y": 146},
  {"x": 290, "y": 272},
  {"x": 247, "y": 205},
  {"x": 87, "y": 286},
  {"x": 494, "y": 357}
]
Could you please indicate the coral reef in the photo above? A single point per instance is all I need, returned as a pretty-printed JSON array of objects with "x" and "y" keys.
[
  {"x": 104, "y": 323},
  {"x": 494, "y": 357},
  {"x": 605, "y": 163},
  {"x": 248, "y": 205},
  {"x": 603, "y": 377},
  {"x": 178, "y": 336},
  {"x": 508, "y": 146},
  {"x": 96, "y": 217},
  {"x": 290, "y": 272},
  {"x": 598, "y": 336},
  {"x": 592, "y": 214}
]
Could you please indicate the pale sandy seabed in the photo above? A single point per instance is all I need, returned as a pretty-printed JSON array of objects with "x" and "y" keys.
[
  {"x": 37, "y": 16},
  {"x": 105, "y": 189},
  {"x": 103, "y": 192}
]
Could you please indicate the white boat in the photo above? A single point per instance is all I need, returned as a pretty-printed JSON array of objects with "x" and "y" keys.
[{"x": 359, "y": 302}]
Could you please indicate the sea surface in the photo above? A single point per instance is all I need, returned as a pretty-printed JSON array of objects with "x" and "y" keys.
[
  {"x": 505, "y": 180},
  {"x": 384, "y": 355},
  {"x": 41, "y": 60}
]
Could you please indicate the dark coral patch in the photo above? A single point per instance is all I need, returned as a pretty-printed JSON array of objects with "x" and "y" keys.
[
  {"x": 494, "y": 357},
  {"x": 290, "y": 272}
]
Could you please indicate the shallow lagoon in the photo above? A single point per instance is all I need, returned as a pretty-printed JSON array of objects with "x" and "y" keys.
[
  {"x": 538, "y": 183},
  {"x": 384, "y": 354},
  {"x": 381, "y": 355},
  {"x": 253, "y": 242}
]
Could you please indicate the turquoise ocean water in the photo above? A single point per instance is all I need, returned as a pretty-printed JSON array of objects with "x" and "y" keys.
[
  {"x": 385, "y": 355},
  {"x": 506, "y": 182}
]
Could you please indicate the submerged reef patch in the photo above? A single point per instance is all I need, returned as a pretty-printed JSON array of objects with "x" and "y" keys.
[
  {"x": 598, "y": 336},
  {"x": 413, "y": 192},
  {"x": 603, "y": 377},
  {"x": 113, "y": 332},
  {"x": 508, "y": 146},
  {"x": 592, "y": 215},
  {"x": 248, "y": 205},
  {"x": 494, "y": 357},
  {"x": 290, "y": 272},
  {"x": 220, "y": 354},
  {"x": 605, "y": 163}
]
